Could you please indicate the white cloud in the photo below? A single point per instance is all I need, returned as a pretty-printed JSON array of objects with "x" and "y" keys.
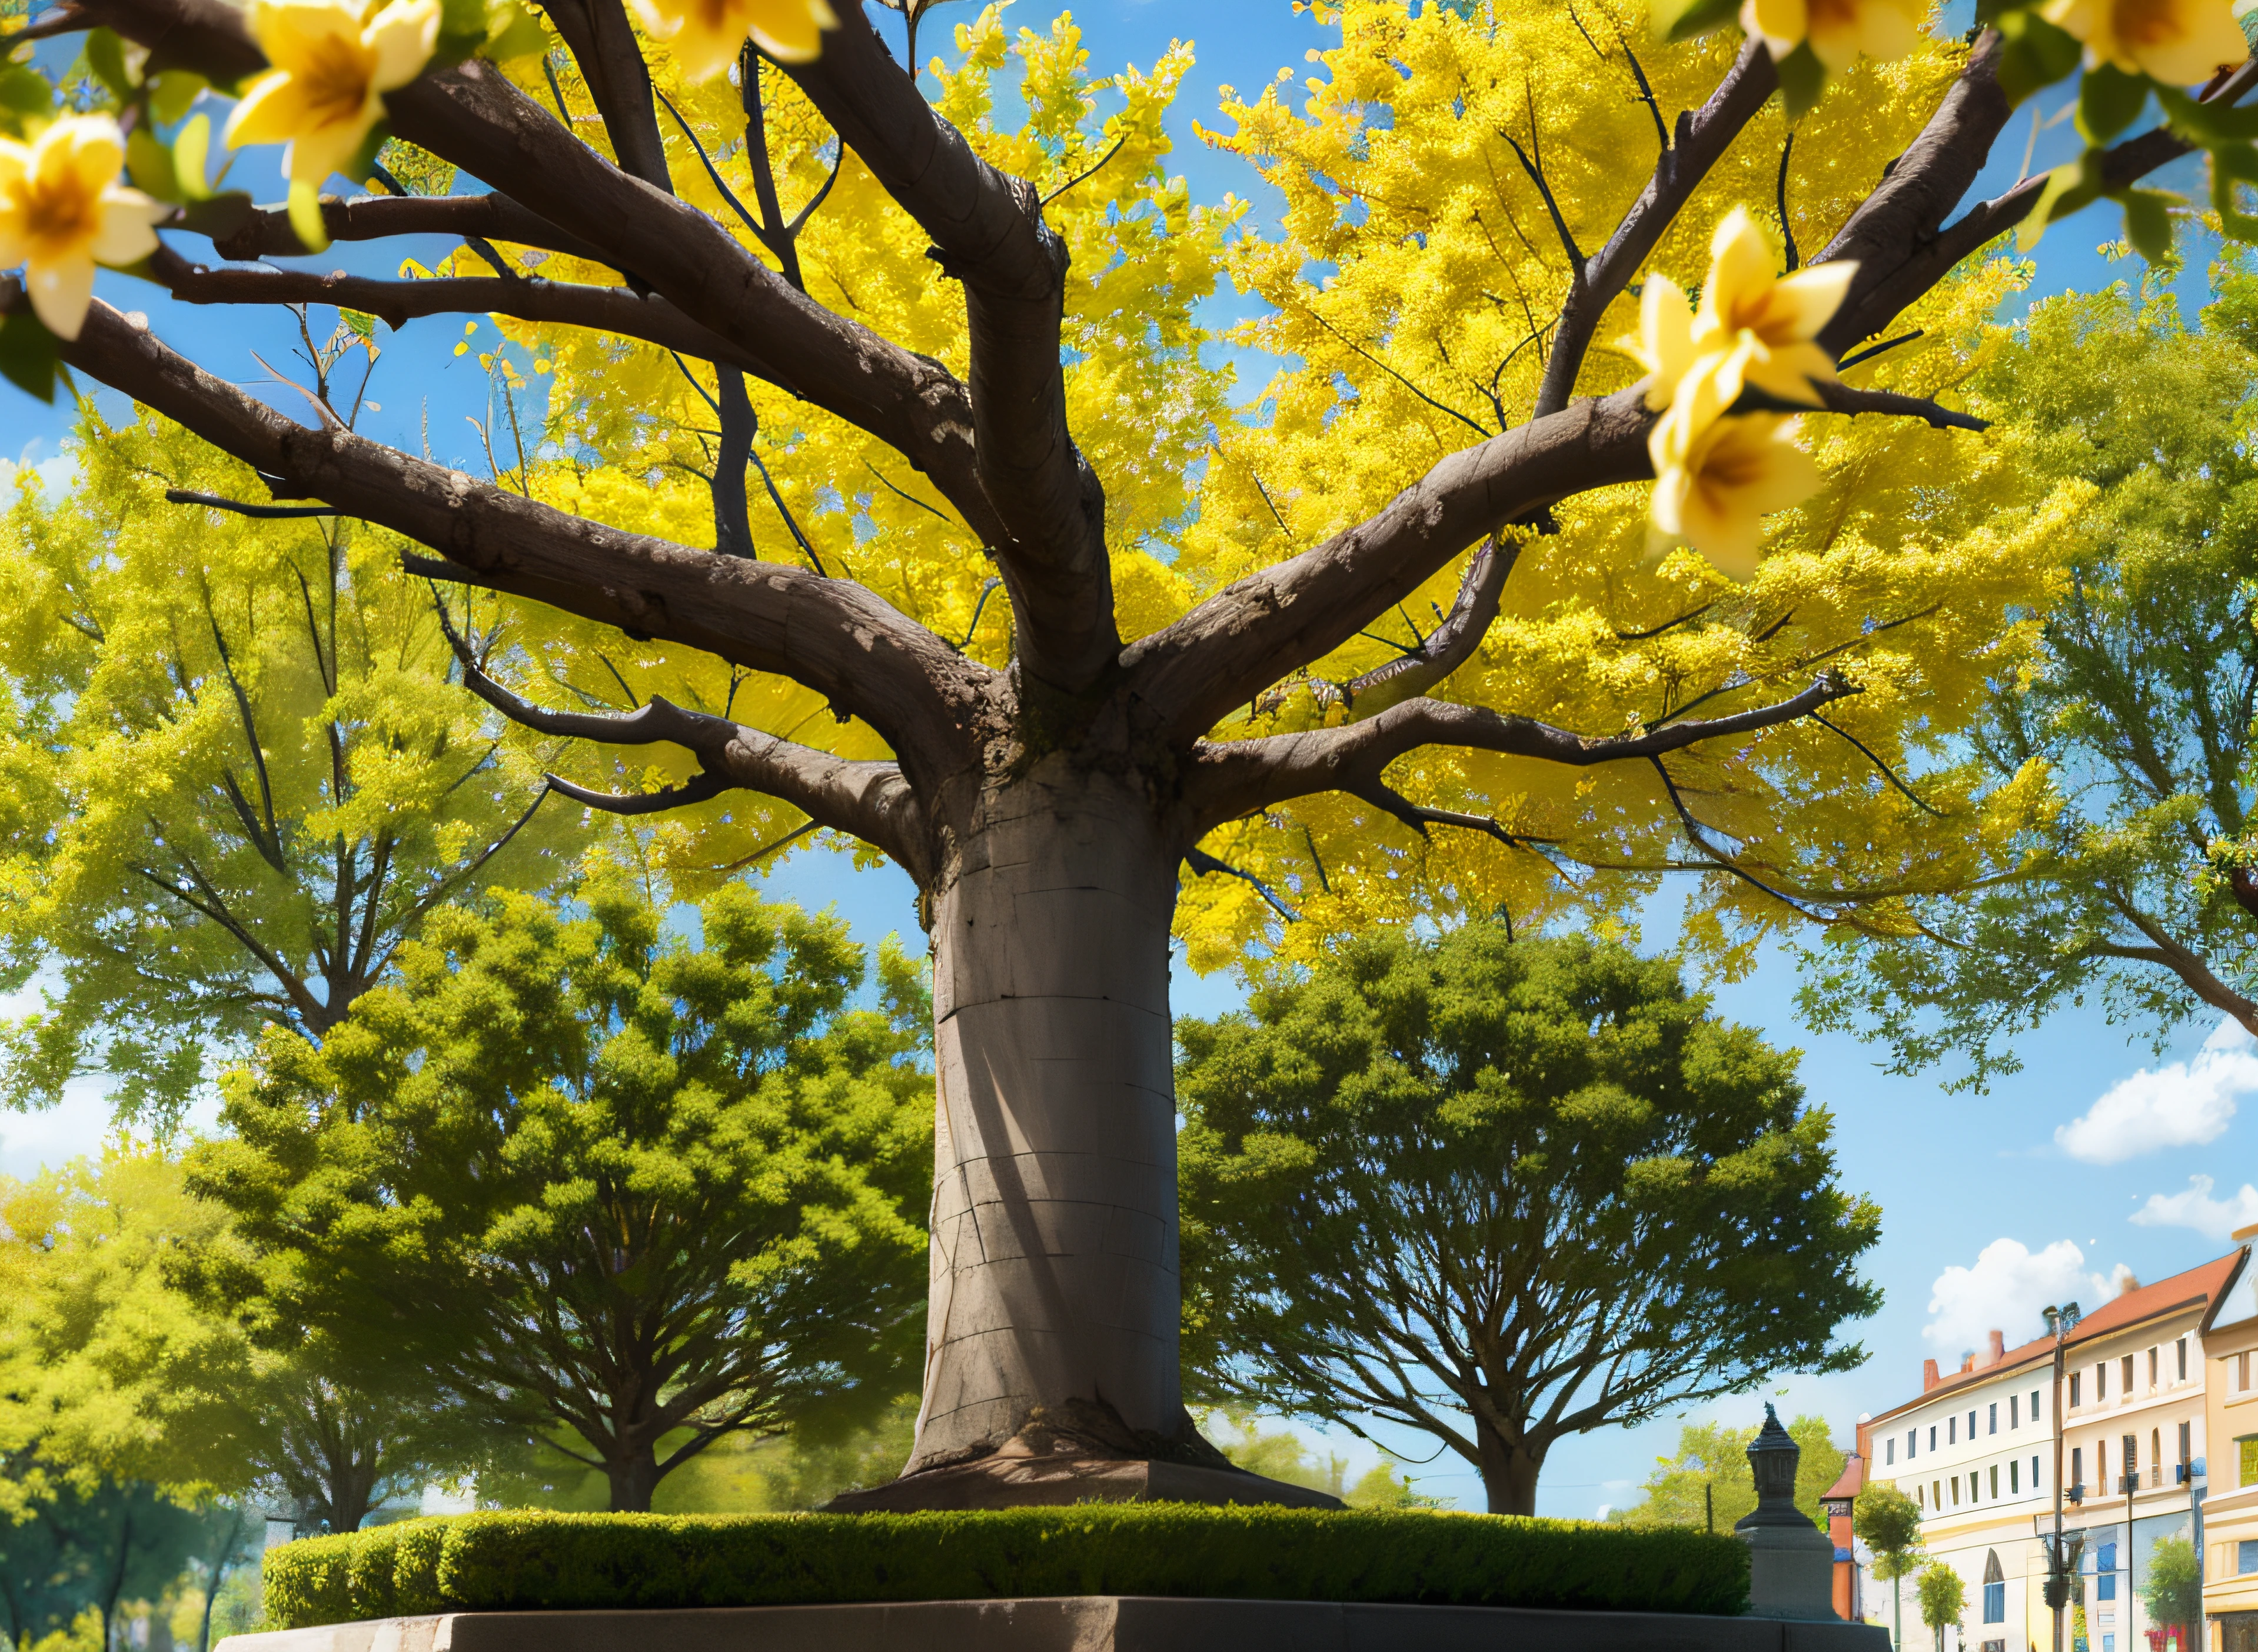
[
  {"x": 2005, "y": 1291},
  {"x": 2213, "y": 1218},
  {"x": 2183, "y": 1105}
]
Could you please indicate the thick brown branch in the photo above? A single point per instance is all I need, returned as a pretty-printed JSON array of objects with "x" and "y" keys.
[
  {"x": 1703, "y": 135},
  {"x": 871, "y": 801},
  {"x": 988, "y": 232},
  {"x": 1233, "y": 778},
  {"x": 1249, "y": 635},
  {"x": 834, "y": 637},
  {"x": 1451, "y": 644},
  {"x": 597, "y": 33},
  {"x": 608, "y": 309},
  {"x": 266, "y": 232}
]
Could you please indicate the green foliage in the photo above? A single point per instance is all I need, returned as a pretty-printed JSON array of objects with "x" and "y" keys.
[
  {"x": 236, "y": 775},
  {"x": 1943, "y": 1596},
  {"x": 2173, "y": 1587},
  {"x": 564, "y": 1561},
  {"x": 1888, "y": 1522},
  {"x": 82, "y": 1543},
  {"x": 2121, "y": 756},
  {"x": 621, "y": 1185},
  {"x": 1711, "y": 1470},
  {"x": 1545, "y": 1153}
]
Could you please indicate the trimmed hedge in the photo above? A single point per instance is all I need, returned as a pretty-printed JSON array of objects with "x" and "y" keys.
[{"x": 538, "y": 1561}]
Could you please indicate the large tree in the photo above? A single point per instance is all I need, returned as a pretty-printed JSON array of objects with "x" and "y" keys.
[
  {"x": 966, "y": 368},
  {"x": 641, "y": 1194},
  {"x": 2123, "y": 748},
  {"x": 1506, "y": 1193}
]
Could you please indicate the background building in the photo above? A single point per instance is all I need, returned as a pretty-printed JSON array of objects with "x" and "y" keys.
[{"x": 2230, "y": 1509}]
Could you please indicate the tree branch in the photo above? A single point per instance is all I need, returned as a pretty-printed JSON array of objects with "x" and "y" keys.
[
  {"x": 871, "y": 801},
  {"x": 265, "y": 231},
  {"x": 839, "y": 639},
  {"x": 598, "y": 35},
  {"x": 1234, "y": 778},
  {"x": 988, "y": 233}
]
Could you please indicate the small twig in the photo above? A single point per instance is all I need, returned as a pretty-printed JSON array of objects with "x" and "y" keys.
[
  {"x": 1696, "y": 833},
  {"x": 1559, "y": 223},
  {"x": 264, "y": 513},
  {"x": 1667, "y": 625},
  {"x": 1084, "y": 177},
  {"x": 986, "y": 592},
  {"x": 1888, "y": 774},
  {"x": 1872, "y": 350},
  {"x": 1779, "y": 191},
  {"x": 700, "y": 788},
  {"x": 1201, "y": 862},
  {"x": 1842, "y": 398}
]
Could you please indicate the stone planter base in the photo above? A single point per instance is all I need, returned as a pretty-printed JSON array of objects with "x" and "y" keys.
[
  {"x": 1017, "y": 1480},
  {"x": 1086, "y": 1623}
]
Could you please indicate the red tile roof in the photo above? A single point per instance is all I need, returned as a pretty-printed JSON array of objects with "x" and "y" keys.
[
  {"x": 1853, "y": 1481},
  {"x": 2197, "y": 1286}
]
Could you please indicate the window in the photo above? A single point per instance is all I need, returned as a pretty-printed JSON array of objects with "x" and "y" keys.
[
  {"x": 1971, "y": 1425},
  {"x": 2101, "y": 1380},
  {"x": 1935, "y": 1496},
  {"x": 2105, "y": 1557},
  {"x": 2128, "y": 1376},
  {"x": 1952, "y": 1429},
  {"x": 1921, "y": 1496},
  {"x": 2246, "y": 1557},
  {"x": 2130, "y": 1467},
  {"x": 2034, "y": 1403},
  {"x": 2035, "y": 1474},
  {"x": 2242, "y": 1373},
  {"x": 1995, "y": 1479},
  {"x": 2187, "y": 1443},
  {"x": 1890, "y": 1450},
  {"x": 1995, "y": 1590},
  {"x": 2181, "y": 1373},
  {"x": 2155, "y": 1457},
  {"x": 1993, "y": 1420},
  {"x": 1956, "y": 1490},
  {"x": 2073, "y": 1400},
  {"x": 1913, "y": 1438},
  {"x": 2015, "y": 1403},
  {"x": 2246, "y": 1450},
  {"x": 2014, "y": 1467},
  {"x": 2106, "y": 1589},
  {"x": 2077, "y": 1465},
  {"x": 1931, "y": 1436},
  {"x": 2152, "y": 1367}
]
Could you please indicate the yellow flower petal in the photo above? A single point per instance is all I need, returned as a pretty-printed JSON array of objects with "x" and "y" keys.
[
  {"x": 1739, "y": 470},
  {"x": 128, "y": 232},
  {"x": 1837, "y": 31},
  {"x": 705, "y": 34},
  {"x": 2179, "y": 42},
  {"x": 1664, "y": 344},
  {"x": 401, "y": 38},
  {"x": 59, "y": 291},
  {"x": 1779, "y": 24},
  {"x": 273, "y": 107}
]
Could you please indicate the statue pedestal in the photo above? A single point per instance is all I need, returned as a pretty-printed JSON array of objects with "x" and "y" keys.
[{"x": 1791, "y": 1572}]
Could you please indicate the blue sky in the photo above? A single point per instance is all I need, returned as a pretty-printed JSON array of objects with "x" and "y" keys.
[{"x": 1987, "y": 1214}]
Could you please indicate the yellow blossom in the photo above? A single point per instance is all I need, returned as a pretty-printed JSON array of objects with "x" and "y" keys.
[
  {"x": 333, "y": 63},
  {"x": 705, "y": 34},
  {"x": 1753, "y": 328},
  {"x": 1836, "y": 30},
  {"x": 1715, "y": 490},
  {"x": 62, "y": 212},
  {"x": 2178, "y": 42}
]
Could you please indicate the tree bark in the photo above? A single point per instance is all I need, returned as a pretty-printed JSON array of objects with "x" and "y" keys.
[
  {"x": 1054, "y": 1299},
  {"x": 633, "y": 1475},
  {"x": 1508, "y": 1471}
]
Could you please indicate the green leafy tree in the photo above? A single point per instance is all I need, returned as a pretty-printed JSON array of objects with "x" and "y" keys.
[
  {"x": 2124, "y": 745},
  {"x": 88, "y": 1544},
  {"x": 1709, "y": 1478},
  {"x": 2173, "y": 1589},
  {"x": 625, "y": 1185},
  {"x": 1943, "y": 1597},
  {"x": 1504, "y": 1193},
  {"x": 1888, "y": 1522},
  {"x": 237, "y": 776}
]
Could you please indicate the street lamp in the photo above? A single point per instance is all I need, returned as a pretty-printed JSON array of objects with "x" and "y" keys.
[{"x": 2060, "y": 1322}]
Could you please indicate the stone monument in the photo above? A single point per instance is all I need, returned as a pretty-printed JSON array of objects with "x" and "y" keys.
[{"x": 1791, "y": 1561}]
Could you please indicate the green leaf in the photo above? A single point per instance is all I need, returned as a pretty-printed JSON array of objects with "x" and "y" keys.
[
  {"x": 1802, "y": 78},
  {"x": 2034, "y": 53},
  {"x": 26, "y": 98},
  {"x": 462, "y": 29},
  {"x": 30, "y": 355},
  {"x": 2072, "y": 185},
  {"x": 149, "y": 163},
  {"x": 172, "y": 92},
  {"x": 513, "y": 33},
  {"x": 2209, "y": 124},
  {"x": 364, "y": 326},
  {"x": 2228, "y": 168},
  {"x": 1682, "y": 19},
  {"x": 217, "y": 215},
  {"x": 2108, "y": 101},
  {"x": 105, "y": 56},
  {"x": 2149, "y": 222}
]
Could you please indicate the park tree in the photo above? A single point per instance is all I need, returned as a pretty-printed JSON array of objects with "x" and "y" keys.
[
  {"x": 1944, "y": 1598},
  {"x": 2173, "y": 1589},
  {"x": 238, "y": 778},
  {"x": 2133, "y": 880},
  {"x": 119, "y": 1361},
  {"x": 1888, "y": 1522},
  {"x": 865, "y": 432},
  {"x": 641, "y": 1193},
  {"x": 1505, "y": 1192},
  {"x": 1708, "y": 1483}
]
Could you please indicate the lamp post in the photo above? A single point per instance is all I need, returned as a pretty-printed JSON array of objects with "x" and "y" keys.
[
  {"x": 2060, "y": 1322},
  {"x": 2132, "y": 1479}
]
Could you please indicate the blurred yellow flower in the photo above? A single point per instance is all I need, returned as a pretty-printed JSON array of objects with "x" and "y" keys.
[
  {"x": 332, "y": 64},
  {"x": 1838, "y": 29},
  {"x": 62, "y": 212},
  {"x": 705, "y": 34},
  {"x": 1713, "y": 491},
  {"x": 2178, "y": 42},
  {"x": 1664, "y": 344}
]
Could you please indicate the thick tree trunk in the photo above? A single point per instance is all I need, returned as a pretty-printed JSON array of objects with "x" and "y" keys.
[
  {"x": 1508, "y": 1472},
  {"x": 633, "y": 1476},
  {"x": 1055, "y": 1296}
]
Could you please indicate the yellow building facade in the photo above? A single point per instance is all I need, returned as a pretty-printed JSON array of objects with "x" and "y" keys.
[{"x": 2229, "y": 1507}]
